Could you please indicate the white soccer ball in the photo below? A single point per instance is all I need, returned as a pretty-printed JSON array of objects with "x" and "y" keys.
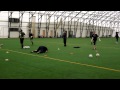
[
  {"x": 90, "y": 55},
  {"x": 7, "y": 52},
  {"x": 97, "y": 54},
  {"x": 6, "y": 59}
]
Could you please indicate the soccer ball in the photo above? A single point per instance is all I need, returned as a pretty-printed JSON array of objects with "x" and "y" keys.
[
  {"x": 90, "y": 55},
  {"x": 97, "y": 54},
  {"x": 7, "y": 52},
  {"x": 6, "y": 59}
]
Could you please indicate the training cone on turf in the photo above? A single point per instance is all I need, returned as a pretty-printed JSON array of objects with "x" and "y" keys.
[
  {"x": 96, "y": 51},
  {"x": 45, "y": 55},
  {"x": 58, "y": 48},
  {"x": 71, "y": 53}
]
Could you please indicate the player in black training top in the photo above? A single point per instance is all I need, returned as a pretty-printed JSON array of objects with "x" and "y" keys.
[
  {"x": 31, "y": 37},
  {"x": 21, "y": 36},
  {"x": 65, "y": 38},
  {"x": 117, "y": 36},
  {"x": 41, "y": 49},
  {"x": 94, "y": 39}
]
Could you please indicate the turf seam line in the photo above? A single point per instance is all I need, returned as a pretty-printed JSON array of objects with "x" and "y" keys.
[{"x": 105, "y": 68}]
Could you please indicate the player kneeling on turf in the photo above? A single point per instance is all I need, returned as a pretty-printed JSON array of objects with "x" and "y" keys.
[{"x": 41, "y": 49}]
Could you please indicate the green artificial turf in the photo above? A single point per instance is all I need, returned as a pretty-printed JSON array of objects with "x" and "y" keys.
[{"x": 65, "y": 63}]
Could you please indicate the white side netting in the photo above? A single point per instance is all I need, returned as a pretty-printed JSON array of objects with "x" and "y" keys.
[
  {"x": 26, "y": 31},
  {"x": 13, "y": 34},
  {"x": 3, "y": 32}
]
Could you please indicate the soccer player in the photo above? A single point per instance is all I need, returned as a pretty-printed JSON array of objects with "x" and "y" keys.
[
  {"x": 21, "y": 36},
  {"x": 94, "y": 39},
  {"x": 41, "y": 49},
  {"x": 31, "y": 37},
  {"x": 65, "y": 38},
  {"x": 117, "y": 36}
]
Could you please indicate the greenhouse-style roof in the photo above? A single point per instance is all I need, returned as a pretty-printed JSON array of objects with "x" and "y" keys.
[{"x": 99, "y": 18}]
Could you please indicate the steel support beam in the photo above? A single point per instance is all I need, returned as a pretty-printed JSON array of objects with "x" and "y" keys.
[
  {"x": 21, "y": 13},
  {"x": 9, "y": 22},
  {"x": 30, "y": 21}
]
